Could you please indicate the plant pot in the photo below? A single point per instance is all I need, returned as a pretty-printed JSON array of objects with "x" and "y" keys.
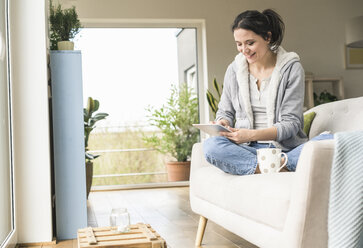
[
  {"x": 65, "y": 45},
  {"x": 178, "y": 171},
  {"x": 89, "y": 176}
]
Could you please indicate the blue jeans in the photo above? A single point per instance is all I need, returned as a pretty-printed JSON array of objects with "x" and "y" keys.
[{"x": 242, "y": 159}]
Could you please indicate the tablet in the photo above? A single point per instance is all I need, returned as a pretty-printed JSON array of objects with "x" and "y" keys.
[{"x": 212, "y": 129}]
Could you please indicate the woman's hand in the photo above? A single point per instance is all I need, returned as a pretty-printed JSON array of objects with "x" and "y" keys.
[
  {"x": 247, "y": 135},
  {"x": 222, "y": 122},
  {"x": 238, "y": 136}
]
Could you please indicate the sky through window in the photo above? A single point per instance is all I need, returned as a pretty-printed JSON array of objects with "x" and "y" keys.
[{"x": 127, "y": 69}]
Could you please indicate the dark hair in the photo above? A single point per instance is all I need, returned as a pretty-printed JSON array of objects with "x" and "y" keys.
[{"x": 261, "y": 24}]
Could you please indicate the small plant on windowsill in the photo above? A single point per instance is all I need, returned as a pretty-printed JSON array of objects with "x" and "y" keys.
[
  {"x": 175, "y": 119},
  {"x": 64, "y": 25},
  {"x": 90, "y": 118}
]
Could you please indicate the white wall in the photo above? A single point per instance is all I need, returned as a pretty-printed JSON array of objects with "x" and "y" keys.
[
  {"x": 315, "y": 29},
  {"x": 31, "y": 121}
]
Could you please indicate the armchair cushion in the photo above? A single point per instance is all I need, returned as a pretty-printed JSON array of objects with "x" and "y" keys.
[
  {"x": 308, "y": 119},
  {"x": 339, "y": 116},
  {"x": 263, "y": 198}
]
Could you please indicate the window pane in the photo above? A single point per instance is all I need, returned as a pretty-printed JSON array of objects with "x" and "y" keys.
[{"x": 134, "y": 70}]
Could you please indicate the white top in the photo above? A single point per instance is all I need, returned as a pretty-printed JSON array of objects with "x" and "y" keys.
[{"x": 258, "y": 101}]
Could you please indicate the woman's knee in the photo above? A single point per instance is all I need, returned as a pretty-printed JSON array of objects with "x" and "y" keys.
[{"x": 213, "y": 145}]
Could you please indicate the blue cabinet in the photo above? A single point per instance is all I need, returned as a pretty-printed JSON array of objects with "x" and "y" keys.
[{"x": 68, "y": 142}]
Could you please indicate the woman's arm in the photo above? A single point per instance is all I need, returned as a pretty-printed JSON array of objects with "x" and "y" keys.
[
  {"x": 290, "y": 120},
  {"x": 226, "y": 112}
]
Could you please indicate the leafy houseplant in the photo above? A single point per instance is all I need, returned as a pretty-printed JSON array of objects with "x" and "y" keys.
[
  {"x": 324, "y": 97},
  {"x": 212, "y": 100},
  {"x": 90, "y": 118},
  {"x": 175, "y": 119},
  {"x": 64, "y": 25}
]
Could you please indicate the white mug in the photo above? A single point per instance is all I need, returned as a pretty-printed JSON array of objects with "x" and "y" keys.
[{"x": 269, "y": 160}]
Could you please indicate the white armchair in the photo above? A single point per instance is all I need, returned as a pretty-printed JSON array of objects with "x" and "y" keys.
[{"x": 279, "y": 210}]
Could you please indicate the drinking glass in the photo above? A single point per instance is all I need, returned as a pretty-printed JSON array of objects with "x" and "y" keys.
[{"x": 120, "y": 220}]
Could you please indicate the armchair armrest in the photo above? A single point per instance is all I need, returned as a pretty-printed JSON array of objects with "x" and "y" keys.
[
  {"x": 198, "y": 159},
  {"x": 308, "y": 212}
]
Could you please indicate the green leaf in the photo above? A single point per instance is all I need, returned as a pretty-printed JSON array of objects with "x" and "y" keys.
[
  {"x": 90, "y": 156},
  {"x": 96, "y": 105},
  {"x": 213, "y": 101},
  {"x": 89, "y": 105},
  {"x": 216, "y": 87}
]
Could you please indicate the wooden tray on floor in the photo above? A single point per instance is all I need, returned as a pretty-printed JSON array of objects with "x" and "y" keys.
[{"x": 139, "y": 236}]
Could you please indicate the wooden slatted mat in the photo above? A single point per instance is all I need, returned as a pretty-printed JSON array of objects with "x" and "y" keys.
[{"x": 139, "y": 236}]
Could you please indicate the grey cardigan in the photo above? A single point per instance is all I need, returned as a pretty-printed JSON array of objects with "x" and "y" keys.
[{"x": 285, "y": 102}]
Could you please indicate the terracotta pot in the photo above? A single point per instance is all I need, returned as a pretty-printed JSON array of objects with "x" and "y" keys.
[
  {"x": 178, "y": 171},
  {"x": 65, "y": 45},
  {"x": 89, "y": 176}
]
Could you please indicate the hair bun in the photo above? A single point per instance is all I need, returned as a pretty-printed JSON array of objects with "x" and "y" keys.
[{"x": 276, "y": 25}]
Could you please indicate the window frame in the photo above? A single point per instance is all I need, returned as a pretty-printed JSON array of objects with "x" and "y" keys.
[
  {"x": 201, "y": 67},
  {"x": 12, "y": 234},
  {"x": 198, "y": 24}
]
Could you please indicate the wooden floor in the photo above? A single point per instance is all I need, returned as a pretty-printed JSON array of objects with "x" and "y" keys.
[{"x": 167, "y": 210}]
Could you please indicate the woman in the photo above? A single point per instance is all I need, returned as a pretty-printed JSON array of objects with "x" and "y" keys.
[{"x": 262, "y": 99}]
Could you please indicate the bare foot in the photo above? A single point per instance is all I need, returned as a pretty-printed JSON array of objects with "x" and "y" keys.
[
  {"x": 257, "y": 171},
  {"x": 282, "y": 161},
  {"x": 283, "y": 169}
]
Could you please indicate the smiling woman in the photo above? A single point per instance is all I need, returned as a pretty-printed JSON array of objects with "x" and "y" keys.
[{"x": 6, "y": 206}]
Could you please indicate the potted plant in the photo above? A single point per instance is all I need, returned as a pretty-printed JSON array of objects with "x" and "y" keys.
[
  {"x": 175, "y": 119},
  {"x": 90, "y": 118},
  {"x": 64, "y": 25},
  {"x": 324, "y": 97},
  {"x": 212, "y": 100}
]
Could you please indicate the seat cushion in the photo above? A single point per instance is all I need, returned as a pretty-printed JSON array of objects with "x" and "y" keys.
[{"x": 263, "y": 198}]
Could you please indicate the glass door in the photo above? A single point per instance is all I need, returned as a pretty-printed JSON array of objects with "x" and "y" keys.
[
  {"x": 135, "y": 70},
  {"x": 6, "y": 184}
]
